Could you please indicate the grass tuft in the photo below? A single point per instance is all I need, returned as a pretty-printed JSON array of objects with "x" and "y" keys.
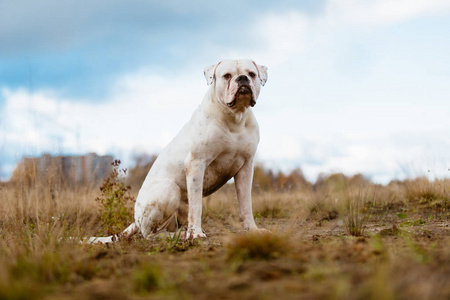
[
  {"x": 356, "y": 212},
  {"x": 258, "y": 246},
  {"x": 147, "y": 278}
]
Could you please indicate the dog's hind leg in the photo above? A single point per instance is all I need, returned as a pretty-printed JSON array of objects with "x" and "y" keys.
[{"x": 156, "y": 204}]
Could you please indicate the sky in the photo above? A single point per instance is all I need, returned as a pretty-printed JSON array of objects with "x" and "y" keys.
[{"x": 354, "y": 86}]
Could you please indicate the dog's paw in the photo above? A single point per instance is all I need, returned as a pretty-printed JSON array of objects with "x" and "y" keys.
[{"x": 194, "y": 234}]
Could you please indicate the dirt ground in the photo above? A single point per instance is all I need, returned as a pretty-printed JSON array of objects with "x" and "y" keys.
[
  {"x": 321, "y": 262},
  {"x": 307, "y": 253}
]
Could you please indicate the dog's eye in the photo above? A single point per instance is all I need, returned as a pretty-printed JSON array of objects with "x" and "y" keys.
[
  {"x": 251, "y": 74},
  {"x": 227, "y": 76}
]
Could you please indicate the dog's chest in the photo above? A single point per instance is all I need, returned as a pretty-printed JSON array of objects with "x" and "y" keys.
[{"x": 230, "y": 159}]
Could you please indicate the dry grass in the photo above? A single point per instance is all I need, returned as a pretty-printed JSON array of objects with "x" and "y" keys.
[
  {"x": 401, "y": 253},
  {"x": 423, "y": 190},
  {"x": 356, "y": 215}
]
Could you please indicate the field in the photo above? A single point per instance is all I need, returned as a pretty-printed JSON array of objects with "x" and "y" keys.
[{"x": 340, "y": 238}]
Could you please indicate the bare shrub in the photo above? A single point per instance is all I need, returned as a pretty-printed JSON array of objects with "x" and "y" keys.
[{"x": 116, "y": 201}]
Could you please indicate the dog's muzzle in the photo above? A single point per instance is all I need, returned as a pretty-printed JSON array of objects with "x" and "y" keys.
[{"x": 243, "y": 91}]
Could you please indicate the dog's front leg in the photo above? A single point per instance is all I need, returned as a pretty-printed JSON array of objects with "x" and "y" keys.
[
  {"x": 194, "y": 179},
  {"x": 243, "y": 183}
]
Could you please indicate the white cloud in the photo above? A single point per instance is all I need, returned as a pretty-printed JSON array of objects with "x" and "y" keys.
[
  {"x": 285, "y": 36},
  {"x": 381, "y": 12},
  {"x": 145, "y": 112}
]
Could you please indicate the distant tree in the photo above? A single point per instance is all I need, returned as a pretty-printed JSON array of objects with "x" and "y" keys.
[
  {"x": 294, "y": 180},
  {"x": 338, "y": 182},
  {"x": 265, "y": 179}
]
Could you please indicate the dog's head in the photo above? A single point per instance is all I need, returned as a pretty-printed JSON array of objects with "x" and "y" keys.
[{"x": 236, "y": 82}]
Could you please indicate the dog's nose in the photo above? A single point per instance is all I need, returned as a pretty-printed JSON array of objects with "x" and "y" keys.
[{"x": 242, "y": 79}]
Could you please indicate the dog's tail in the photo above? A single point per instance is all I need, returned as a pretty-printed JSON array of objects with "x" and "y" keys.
[{"x": 130, "y": 231}]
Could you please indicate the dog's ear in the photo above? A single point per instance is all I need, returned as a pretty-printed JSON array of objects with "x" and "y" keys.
[
  {"x": 209, "y": 73},
  {"x": 262, "y": 74}
]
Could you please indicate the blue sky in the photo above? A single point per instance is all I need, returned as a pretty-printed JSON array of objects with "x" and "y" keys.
[{"x": 354, "y": 86}]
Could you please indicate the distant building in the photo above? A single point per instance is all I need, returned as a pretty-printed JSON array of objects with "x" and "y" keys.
[{"x": 69, "y": 170}]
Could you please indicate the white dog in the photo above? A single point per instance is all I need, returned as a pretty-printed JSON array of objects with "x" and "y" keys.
[{"x": 217, "y": 144}]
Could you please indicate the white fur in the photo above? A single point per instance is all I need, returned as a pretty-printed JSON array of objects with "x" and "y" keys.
[{"x": 218, "y": 143}]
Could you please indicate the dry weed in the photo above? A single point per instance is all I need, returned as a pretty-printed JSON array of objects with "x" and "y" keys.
[{"x": 116, "y": 201}]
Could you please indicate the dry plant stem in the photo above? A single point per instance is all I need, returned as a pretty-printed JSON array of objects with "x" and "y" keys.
[{"x": 357, "y": 214}]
